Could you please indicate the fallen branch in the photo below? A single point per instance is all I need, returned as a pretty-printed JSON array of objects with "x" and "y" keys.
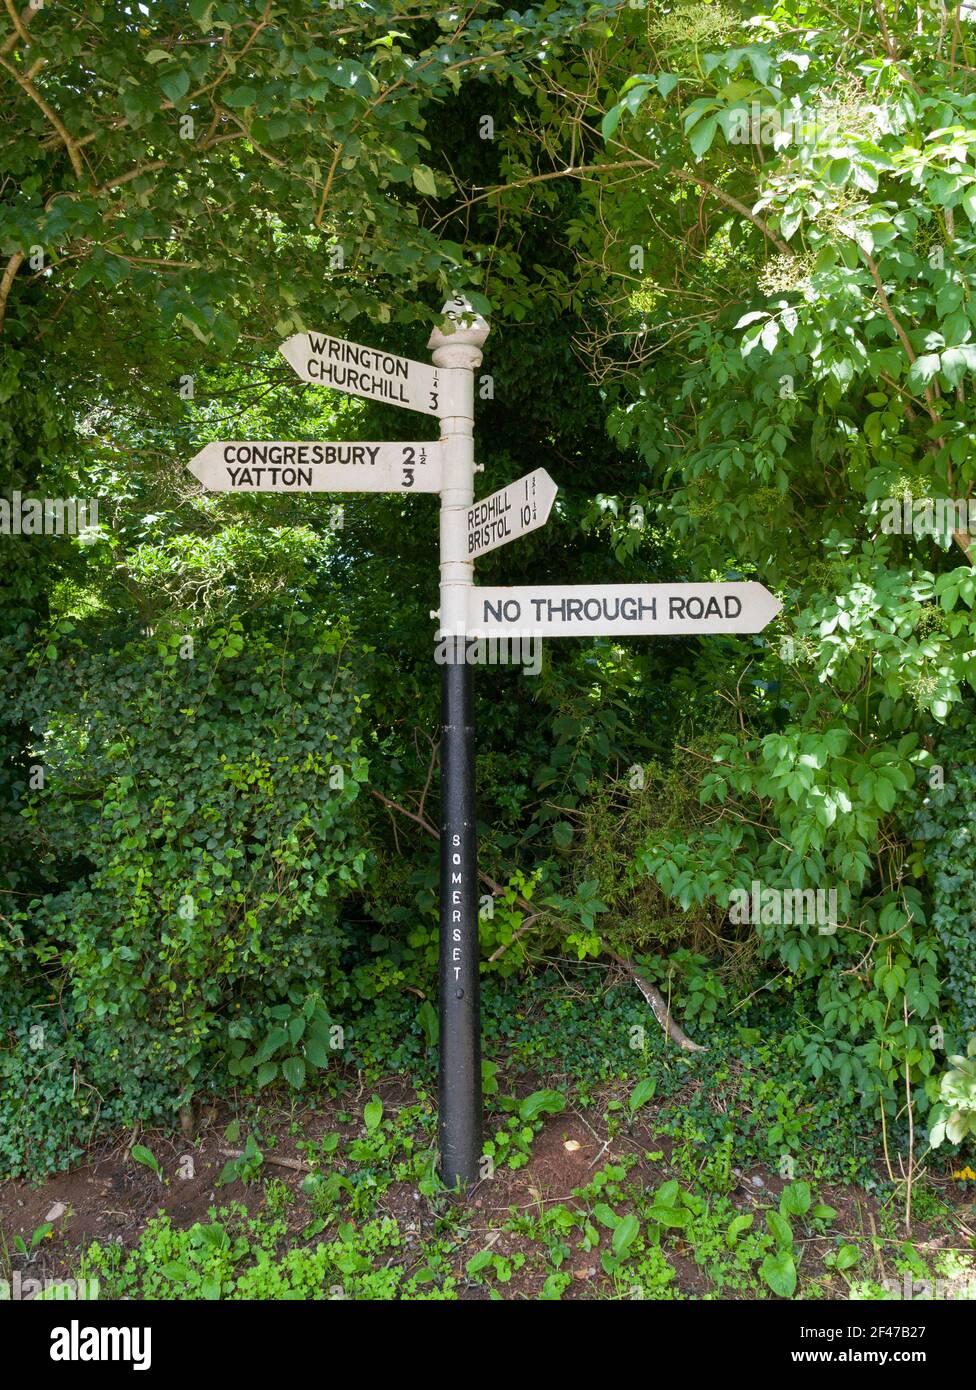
[
  {"x": 653, "y": 995},
  {"x": 295, "y": 1163},
  {"x": 661, "y": 1011}
]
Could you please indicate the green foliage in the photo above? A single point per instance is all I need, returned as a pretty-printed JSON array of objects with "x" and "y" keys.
[
  {"x": 502, "y": 1268},
  {"x": 641, "y": 1094},
  {"x": 28, "y": 1249},
  {"x": 197, "y": 163},
  {"x": 234, "y": 1256},
  {"x": 301, "y": 1038},
  {"x": 722, "y": 1241},
  {"x": 944, "y": 826},
  {"x": 955, "y": 1116},
  {"x": 793, "y": 362},
  {"x": 246, "y": 1167},
  {"x": 219, "y": 842}
]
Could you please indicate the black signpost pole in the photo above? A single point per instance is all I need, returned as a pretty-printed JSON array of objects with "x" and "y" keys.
[
  {"x": 460, "y": 1015},
  {"x": 456, "y": 354}
]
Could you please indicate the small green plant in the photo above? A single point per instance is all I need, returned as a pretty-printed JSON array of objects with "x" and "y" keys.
[
  {"x": 245, "y": 1166},
  {"x": 552, "y": 1227},
  {"x": 624, "y": 1229},
  {"x": 140, "y": 1154},
  {"x": 235, "y": 1256},
  {"x": 651, "y": 1277},
  {"x": 843, "y": 1258},
  {"x": 502, "y": 1266},
  {"x": 29, "y": 1250},
  {"x": 695, "y": 991},
  {"x": 324, "y": 1192},
  {"x": 300, "y": 1036},
  {"x": 715, "y": 1173},
  {"x": 778, "y": 1268},
  {"x": 277, "y": 1197},
  {"x": 512, "y": 1145},
  {"x": 554, "y": 1287}
]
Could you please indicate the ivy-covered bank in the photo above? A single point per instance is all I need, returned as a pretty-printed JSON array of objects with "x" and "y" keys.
[{"x": 636, "y": 1171}]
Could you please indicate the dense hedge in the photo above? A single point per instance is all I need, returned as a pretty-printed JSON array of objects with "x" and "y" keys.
[{"x": 205, "y": 804}]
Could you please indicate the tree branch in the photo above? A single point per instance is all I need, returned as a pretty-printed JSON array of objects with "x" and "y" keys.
[
  {"x": 52, "y": 116},
  {"x": 6, "y": 284},
  {"x": 652, "y": 166},
  {"x": 21, "y": 22},
  {"x": 18, "y": 24}
]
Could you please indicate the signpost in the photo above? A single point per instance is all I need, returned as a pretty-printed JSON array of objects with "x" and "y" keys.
[
  {"x": 275, "y": 466},
  {"x": 468, "y": 529},
  {"x": 362, "y": 371},
  {"x": 509, "y": 513},
  {"x": 459, "y": 1116},
  {"x": 624, "y": 610}
]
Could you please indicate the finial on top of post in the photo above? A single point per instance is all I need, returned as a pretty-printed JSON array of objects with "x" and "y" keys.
[{"x": 469, "y": 326}]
